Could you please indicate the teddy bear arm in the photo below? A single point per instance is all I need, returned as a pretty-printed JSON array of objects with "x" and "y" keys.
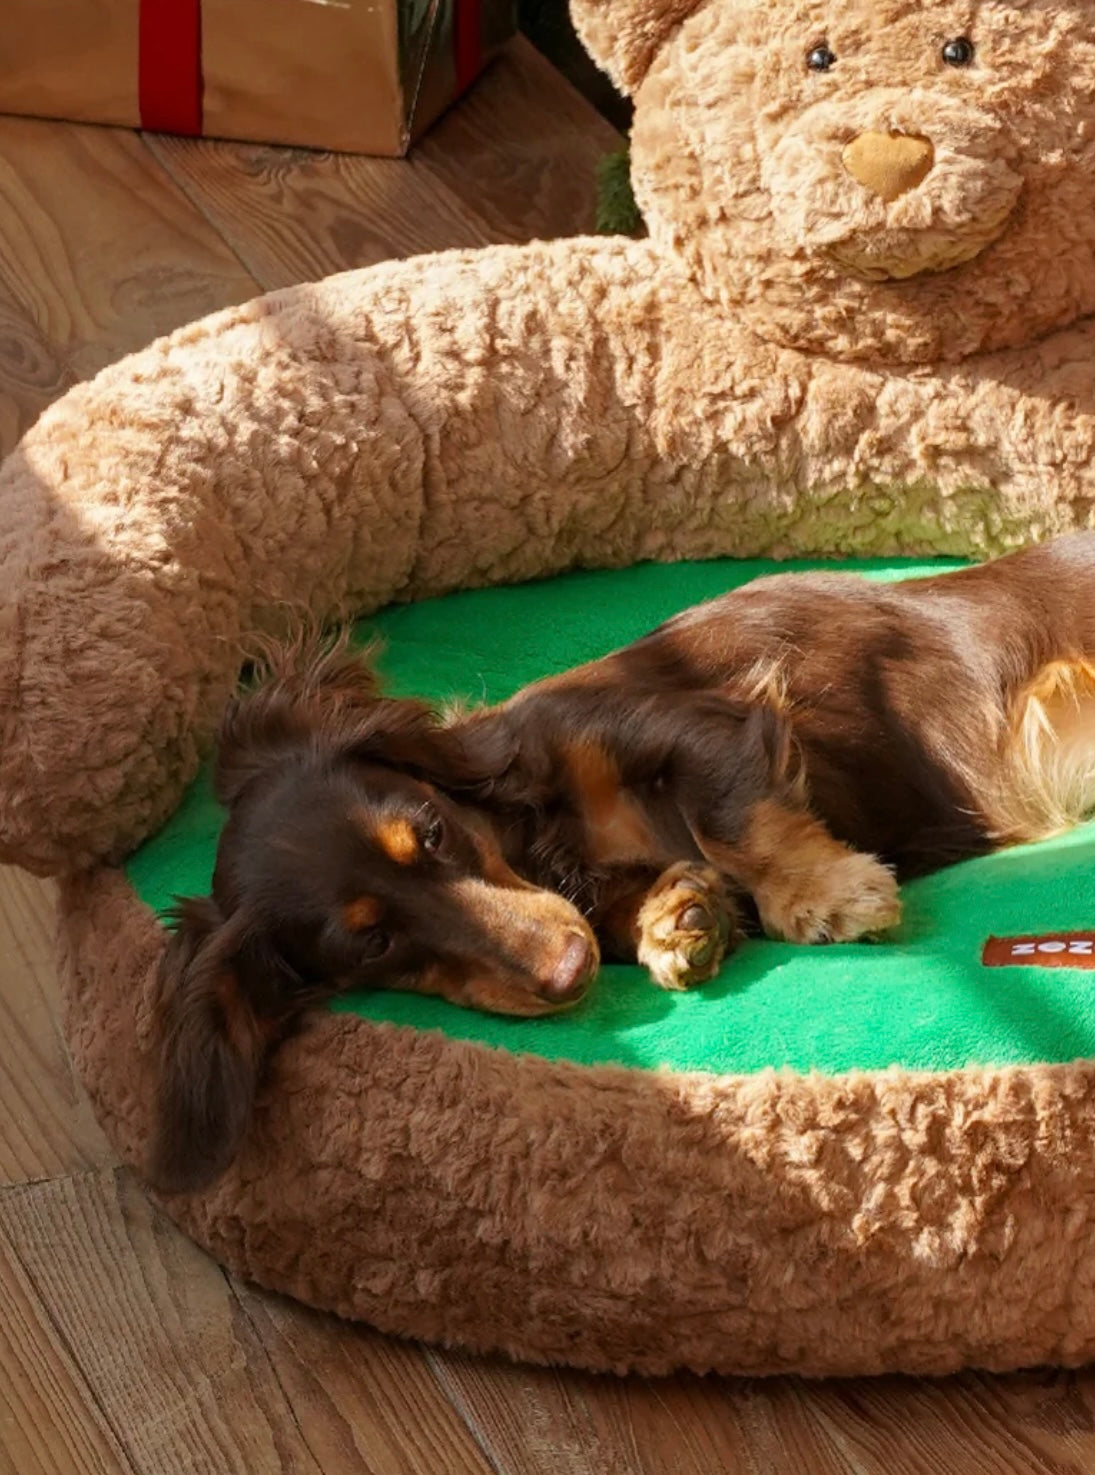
[{"x": 386, "y": 434}]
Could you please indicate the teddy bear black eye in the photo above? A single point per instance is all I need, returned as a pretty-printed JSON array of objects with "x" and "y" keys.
[
  {"x": 820, "y": 58},
  {"x": 958, "y": 52}
]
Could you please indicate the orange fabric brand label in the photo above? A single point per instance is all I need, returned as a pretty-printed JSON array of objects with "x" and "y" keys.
[{"x": 1049, "y": 950}]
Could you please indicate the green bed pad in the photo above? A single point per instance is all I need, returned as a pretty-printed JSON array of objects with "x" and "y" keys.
[{"x": 922, "y": 999}]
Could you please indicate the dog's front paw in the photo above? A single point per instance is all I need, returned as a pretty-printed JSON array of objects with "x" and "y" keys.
[
  {"x": 852, "y": 896},
  {"x": 686, "y": 926}
]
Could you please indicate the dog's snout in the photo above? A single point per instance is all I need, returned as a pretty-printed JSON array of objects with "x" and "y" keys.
[
  {"x": 889, "y": 164},
  {"x": 574, "y": 971}
]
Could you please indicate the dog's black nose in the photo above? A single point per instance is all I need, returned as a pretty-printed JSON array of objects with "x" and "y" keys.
[{"x": 573, "y": 973}]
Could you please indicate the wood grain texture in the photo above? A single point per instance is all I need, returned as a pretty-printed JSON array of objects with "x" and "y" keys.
[
  {"x": 46, "y": 1124},
  {"x": 99, "y": 250},
  {"x": 193, "y": 1374},
  {"x": 292, "y": 215},
  {"x": 31, "y": 374},
  {"x": 516, "y": 161},
  {"x": 540, "y": 1422},
  {"x": 49, "y": 1423},
  {"x": 522, "y": 151},
  {"x": 362, "y": 1401},
  {"x": 158, "y": 1336}
]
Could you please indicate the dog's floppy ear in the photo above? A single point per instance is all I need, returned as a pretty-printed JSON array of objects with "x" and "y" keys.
[
  {"x": 410, "y": 736},
  {"x": 213, "y": 1041},
  {"x": 304, "y": 694},
  {"x": 323, "y": 698}
]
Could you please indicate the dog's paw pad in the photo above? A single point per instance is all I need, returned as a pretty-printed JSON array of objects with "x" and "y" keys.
[{"x": 686, "y": 927}]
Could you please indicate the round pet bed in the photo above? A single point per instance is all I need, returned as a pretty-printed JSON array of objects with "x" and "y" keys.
[{"x": 844, "y": 1160}]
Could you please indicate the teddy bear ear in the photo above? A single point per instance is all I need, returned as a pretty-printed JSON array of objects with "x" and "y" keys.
[{"x": 624, "y": 36}]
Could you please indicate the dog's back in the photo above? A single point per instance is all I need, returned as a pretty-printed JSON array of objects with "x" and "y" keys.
[{"x": 937, "y": 718}]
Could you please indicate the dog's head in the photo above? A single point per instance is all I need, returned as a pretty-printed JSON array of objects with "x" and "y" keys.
[
  {"x": 353, "y": 857},
  {"x": 910, "y": 180}
]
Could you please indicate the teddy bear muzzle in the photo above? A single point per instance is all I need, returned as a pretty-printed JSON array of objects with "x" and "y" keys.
[
  {"x": 888, "y": 164},
  {"x": 890, "y": 184}
]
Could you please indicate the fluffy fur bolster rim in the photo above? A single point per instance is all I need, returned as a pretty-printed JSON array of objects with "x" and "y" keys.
[{"x": 615, "y": 1219}]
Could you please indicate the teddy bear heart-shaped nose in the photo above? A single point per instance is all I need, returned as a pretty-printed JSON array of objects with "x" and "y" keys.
[{"x": 888, "y": 164}]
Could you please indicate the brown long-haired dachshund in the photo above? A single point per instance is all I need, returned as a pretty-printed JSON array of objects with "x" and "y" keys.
[{"x": 798, "y": 745}]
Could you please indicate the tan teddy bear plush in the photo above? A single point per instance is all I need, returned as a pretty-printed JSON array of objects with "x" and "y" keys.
[{"x": 858, "y": 325}]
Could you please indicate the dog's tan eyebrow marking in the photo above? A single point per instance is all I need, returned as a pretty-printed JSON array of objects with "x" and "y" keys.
[
  {"x": 361, "y": 913},
  {"x": 398, "y": 840},
  {"x": 396, "y": 837}
]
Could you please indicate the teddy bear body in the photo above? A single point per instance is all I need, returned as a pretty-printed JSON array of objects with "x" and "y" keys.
[{"x": 859, "y": 325}]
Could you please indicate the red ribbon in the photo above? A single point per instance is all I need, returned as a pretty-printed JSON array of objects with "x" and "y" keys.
[
  {"x": 170, "y": 62},
  {"x": 467, "y": 37}
]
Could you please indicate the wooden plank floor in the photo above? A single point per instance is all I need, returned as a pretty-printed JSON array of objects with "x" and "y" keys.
[{"x": 122, "y": 1347}]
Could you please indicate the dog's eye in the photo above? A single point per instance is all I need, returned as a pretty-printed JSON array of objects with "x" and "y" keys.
[
  {"x": 373, "y": 943},
  {"x": 958, "y": 52},
  {"x": 820, "y": 58},
  {"x": 433, "y": 834}
]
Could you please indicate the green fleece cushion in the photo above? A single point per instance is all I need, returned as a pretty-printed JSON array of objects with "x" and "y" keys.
[{"x": 921, "y": 999}]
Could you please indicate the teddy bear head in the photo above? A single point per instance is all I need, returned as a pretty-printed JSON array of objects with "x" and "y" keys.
[{"x": 896, "y": 180}]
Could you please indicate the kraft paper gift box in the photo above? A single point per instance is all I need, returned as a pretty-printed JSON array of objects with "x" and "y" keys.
[{"x": 364, "y": 76}]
